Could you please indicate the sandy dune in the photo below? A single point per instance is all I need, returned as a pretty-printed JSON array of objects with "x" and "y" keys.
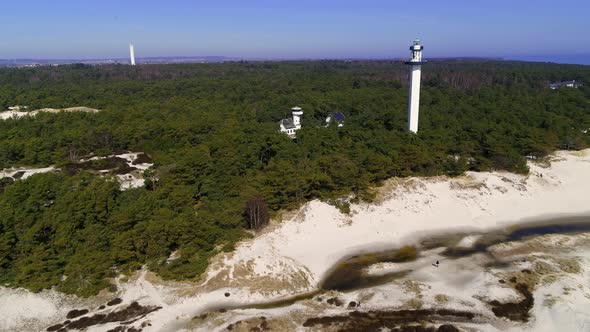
[
  {"x": 19, "y": 114},
  {"x": 292, "y": 256}
]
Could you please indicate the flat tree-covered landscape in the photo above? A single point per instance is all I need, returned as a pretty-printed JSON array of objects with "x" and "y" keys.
[{"x": 212, "y": 132}]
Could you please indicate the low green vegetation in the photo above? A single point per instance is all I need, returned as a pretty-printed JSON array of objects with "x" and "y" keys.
[
  {"x": 406, "y": 254},
  {"x": 212, "y": 132}
]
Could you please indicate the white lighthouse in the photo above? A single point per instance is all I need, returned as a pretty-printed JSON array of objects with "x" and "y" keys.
[
  {"x": 414, "y": 100},
  {"x": 132, "y": 54},
  {"x": 290, "y": 126}
]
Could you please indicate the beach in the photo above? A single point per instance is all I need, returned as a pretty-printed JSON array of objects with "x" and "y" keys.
[{"x": 294, "y": 254}]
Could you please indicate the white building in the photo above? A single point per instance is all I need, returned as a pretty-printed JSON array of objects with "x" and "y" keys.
[
  {"x": 132, "y": 54},
  {"x": 337, "y": 118},
  {"x": 290, "y": 126},
  {"x": 416, "y": 63},
  {"x": 567, "y": 84}
]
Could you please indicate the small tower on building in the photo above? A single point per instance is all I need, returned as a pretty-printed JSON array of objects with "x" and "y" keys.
[
  {"x": 132, "y": 54},
  {"x": 297, "y": 114},
  {"x": 415, "y": 64},
  {"x": 290, "y": 126}
]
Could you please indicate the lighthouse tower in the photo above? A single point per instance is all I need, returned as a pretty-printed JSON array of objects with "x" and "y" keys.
[
  {"x": 132, "y": 54},
  {"x": 297, "y": 114},
  {"x": 414, "y": 100}
]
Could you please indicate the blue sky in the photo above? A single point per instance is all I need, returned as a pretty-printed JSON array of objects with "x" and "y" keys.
[{"x": 292, "y": 29}]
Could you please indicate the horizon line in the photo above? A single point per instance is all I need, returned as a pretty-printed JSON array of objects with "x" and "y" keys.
[{"x": 547, "y": 58}]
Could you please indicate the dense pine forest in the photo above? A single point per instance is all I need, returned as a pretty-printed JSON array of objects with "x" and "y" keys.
[{"x": 212, "y": 132}]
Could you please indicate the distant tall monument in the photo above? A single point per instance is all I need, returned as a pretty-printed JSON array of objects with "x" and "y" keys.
[
  {"x": 414, "y": 101},
  {"x": 132, "y": 54}
]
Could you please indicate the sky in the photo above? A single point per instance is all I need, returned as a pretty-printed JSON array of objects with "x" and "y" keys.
[{"x": 293, "y": 29}]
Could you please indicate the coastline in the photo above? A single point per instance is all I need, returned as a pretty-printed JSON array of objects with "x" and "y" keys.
[
  {"x": 292, "y": 256},
  {"x": 297, "y": 253},
  {"x": 319, "y": 235}
]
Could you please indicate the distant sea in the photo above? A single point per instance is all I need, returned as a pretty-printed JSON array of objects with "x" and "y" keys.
[{"x": 578, "y": 59}]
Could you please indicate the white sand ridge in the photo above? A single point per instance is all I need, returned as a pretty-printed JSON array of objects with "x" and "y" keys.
[{"x": 14, "y": 114}]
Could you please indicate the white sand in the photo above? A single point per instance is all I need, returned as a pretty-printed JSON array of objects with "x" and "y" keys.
[
  {"x": 131, "y": 156},
  {"x": 319, "y": 235},
  {"x": 21, "y": 310},
  {"x": 19, "y": 114},
  {"x": 572, "y": 310},
  {"x": 468, "y": 241},
  {"x": 10, "y": 172},
  {"x": 131, "y": 180},
  {"x": 12, "y": 114},
  {"x": 466, "y": 284},
  {"x": 134, "y": 179}
]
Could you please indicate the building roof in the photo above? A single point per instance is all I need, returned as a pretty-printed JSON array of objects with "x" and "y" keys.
[
  {"x": 287, "y": 123},
  {"x": 558, "y": 84},
  {"x": 338, "y": 116}
]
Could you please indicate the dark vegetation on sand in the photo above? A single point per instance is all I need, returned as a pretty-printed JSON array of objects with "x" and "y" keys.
[
  {"x": 211, "y": 130},
  {"x": 516, "y": 311},
  {"x": 125, "y": 316},
  {"x": 396, "y": 320},
  {"x": 350, "y": 272}
]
